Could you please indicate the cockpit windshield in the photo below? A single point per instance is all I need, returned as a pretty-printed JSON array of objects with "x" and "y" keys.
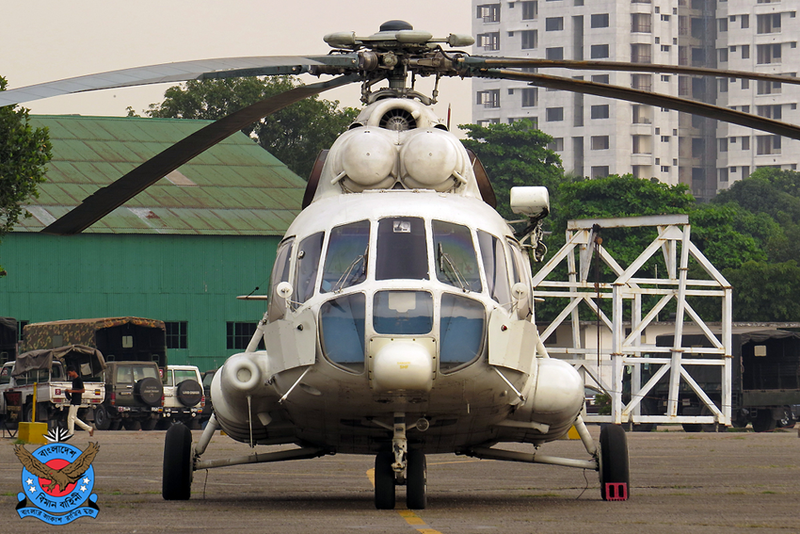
[
  {"x": 402, "y": 252},
  {"x": 456, "y": 263},
  {"x": 346, "y": 259}
]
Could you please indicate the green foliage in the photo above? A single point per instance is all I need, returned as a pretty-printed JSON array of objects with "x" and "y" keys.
[
  {"x": 514, "y": 154},
  {"x": 24, "y": 152},
  {"x": 765, "y": 291},
  {"x": 294, "y": 135}
]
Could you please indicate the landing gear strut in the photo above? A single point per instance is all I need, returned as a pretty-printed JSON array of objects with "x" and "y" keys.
[{"x": 398, "y": 467}]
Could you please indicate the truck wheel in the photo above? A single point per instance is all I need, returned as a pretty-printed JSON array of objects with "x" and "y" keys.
[
  {"x": 764, "y": 422},
  {"x": 176, "y": 482},
  {"x": 614, "y": 468},
  {"x": 102, "y": 419},
  {"x": 149, "y": 390},
  {"x": 189, "y": 393}
]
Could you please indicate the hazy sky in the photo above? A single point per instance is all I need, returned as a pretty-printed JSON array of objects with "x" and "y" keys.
[{"x": 45, "y": 40}]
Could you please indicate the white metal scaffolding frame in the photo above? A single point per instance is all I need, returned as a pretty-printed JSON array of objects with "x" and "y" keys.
[{"x": 629, "y": 288}]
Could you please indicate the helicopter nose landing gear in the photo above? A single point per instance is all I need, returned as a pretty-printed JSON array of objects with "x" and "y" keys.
[{"x": 399, "y": 467}]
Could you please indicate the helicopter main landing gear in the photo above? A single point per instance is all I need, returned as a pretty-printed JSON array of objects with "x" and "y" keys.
[{"x": 614, "y": 469}]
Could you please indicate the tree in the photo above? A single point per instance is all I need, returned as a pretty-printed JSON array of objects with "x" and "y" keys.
[
  {"x": 24, "y": 152},
  {"x": 514, "y": 154},
  {"x": 765, "y": 291},
  {"x": 295, "y": 135}
]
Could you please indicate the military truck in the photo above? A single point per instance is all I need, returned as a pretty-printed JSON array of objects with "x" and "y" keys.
[
  {"x": 765, "y": 384},
  {"x": 118, "y": 338},
  {"x": 45, "y": 371},
  {"x": 135, "y": 351}
]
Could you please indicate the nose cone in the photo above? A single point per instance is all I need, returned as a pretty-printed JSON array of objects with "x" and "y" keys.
[{"x": 402, "y": 365}]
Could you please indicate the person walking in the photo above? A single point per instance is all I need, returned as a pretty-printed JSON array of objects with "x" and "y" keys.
[{"x": 75, "y": 403}]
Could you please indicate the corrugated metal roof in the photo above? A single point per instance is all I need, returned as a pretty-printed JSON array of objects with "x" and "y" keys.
[{"x": 235, "y": 188}]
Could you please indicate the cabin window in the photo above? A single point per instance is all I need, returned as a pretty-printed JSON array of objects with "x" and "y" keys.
[
  {"x": 280, "y": 273},
  {"x": 454, "y": 251},
  {"x": 342, "y": 330},
  {"x": 461, "y": 331},
  {"x": 494, "y": 263},
  {"x": 402, "y": 252},
  {"x": 402, "y": 312},
  {"x": 308, "y": 254},
  {"x": 346, "y": 258}
]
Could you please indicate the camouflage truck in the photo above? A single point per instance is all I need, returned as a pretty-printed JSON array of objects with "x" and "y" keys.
[{"x": 132, "y": 339}]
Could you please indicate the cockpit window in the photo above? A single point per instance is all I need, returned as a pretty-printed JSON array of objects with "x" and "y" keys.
[
  {"x": 461, "y": 331},
  {"x": 402, "y": 312},
  {"x": 280, "y": 273},
  {"x": 494, "y": 263},
  {"x": 402, "y": 253},
  {"x": 308, "y": 254},
  {"x": 346, "y": 258},
  {"x": 342, "y": 330},
  {"x": 454, "y": 251}
]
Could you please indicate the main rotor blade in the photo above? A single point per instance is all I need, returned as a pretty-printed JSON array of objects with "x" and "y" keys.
[
  {"x": 177, "y": 72},
  {"x": 479, "y": 62},
  {"x": 650, "y": 99},
  {"x": 107, "y": 199}
]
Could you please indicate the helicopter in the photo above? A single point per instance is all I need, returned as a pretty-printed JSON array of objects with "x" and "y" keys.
[{"x": 400, "y": 318}]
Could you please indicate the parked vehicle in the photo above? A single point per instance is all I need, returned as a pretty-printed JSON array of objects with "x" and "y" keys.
[
  {"x": 129, "y": 339},
  {"x": 765, "y": 383},
  {"x": 208, "y": 409},
  {"x": 46, "y": 372},
  {"x": 134, "y": 396},
  {"x": 183, "y": 399}
]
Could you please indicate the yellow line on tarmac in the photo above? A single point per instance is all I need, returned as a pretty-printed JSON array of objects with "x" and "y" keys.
[{"x": 411, "y": 518}]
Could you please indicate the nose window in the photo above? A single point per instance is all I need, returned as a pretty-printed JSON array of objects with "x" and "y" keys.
[
  {"x": 461, "y": 331},
  {"x": 402, "y": 312},
  {"x": 342, "y": 329}
]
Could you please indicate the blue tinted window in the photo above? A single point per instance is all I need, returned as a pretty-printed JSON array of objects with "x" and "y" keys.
[
  {"x": 402, "y": 312},
  {"x": 342, "y": 330},
  {"x": 461, "y": 330}
]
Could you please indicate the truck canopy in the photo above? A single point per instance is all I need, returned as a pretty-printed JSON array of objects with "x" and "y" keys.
[
  {"x": 87, "y": 361},
  {"x": 118, "y": 338}
]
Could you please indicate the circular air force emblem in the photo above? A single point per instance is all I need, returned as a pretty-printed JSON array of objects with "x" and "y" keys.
[{"x": 57, "y": 480}]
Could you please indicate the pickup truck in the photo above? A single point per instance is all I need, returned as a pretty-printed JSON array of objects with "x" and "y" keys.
[
  {"x": 184, "y": 397},
  {"x": 46, "y": 370}
]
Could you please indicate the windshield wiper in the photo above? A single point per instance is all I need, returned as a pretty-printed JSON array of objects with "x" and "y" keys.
[
  {"x": 454, "y": 276},
  {"x": 340, "y": 284}
]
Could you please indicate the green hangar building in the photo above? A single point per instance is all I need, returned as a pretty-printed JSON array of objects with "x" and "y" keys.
[{"x": 181, "y": 251}]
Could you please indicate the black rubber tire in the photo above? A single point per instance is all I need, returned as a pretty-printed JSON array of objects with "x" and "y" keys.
[
  {"x": 614, "y": 466},
  {"x": 764, "y": 422},
  {"x": 384, "y": 481},
  {"x": 416, "y": 481},
  {"x": 176, "y": 482},
  {"x": 189, "y": 393},
  {"x": 102, "y": 419},
  {"x": 149, "y": 391},
  {"x": 692, "y": 427}
]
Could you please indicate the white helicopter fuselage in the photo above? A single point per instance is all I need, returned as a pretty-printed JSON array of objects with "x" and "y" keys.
[{"x": 398, "y": 292}]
